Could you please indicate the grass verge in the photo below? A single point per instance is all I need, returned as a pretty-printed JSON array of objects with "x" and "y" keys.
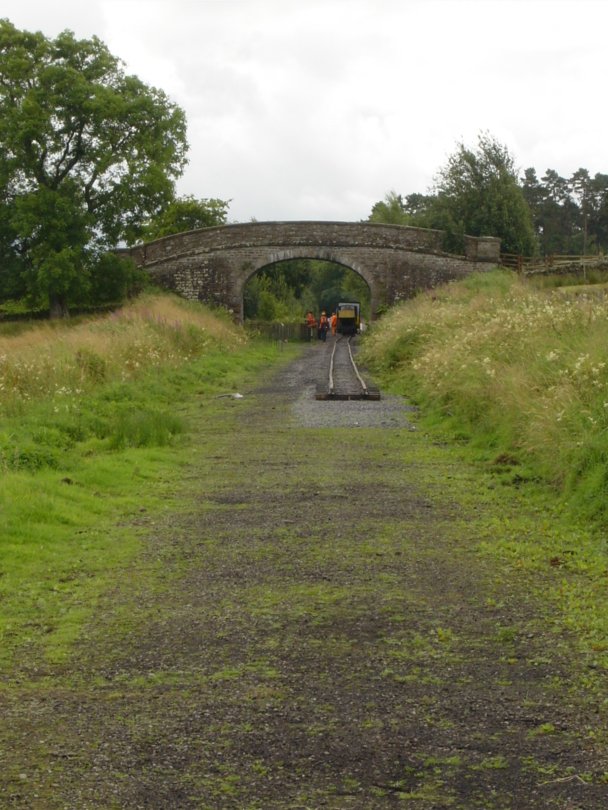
[
  {"x": 91, "y": 439},
  {"x": 514, "y": 380}
]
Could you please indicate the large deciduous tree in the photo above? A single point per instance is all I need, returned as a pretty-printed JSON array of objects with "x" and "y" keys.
[
  {"x": 87, "y": 156},
  {"x": 477, "y": 192}
]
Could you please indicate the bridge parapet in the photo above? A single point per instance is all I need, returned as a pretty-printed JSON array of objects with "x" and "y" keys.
[
  {"x": 289, "y": 234},
  {"x": 482, "y": 248}
]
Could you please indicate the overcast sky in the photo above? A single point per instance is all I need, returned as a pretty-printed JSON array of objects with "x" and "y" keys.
[{"x": 315, "y": 109}]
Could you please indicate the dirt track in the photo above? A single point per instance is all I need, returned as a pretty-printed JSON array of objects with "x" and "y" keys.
[{"x": 322, "y": 633}]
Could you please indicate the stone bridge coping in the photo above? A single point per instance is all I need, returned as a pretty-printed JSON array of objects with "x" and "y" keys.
[{"x": 289, "y": 234}]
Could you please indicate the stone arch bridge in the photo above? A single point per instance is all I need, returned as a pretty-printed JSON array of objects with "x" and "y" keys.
[{"x": 214, "y": 264}]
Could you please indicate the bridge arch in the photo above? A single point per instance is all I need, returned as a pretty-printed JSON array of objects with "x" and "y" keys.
[
  {"x": 332, "y": 256},
  {"x": 214, "y": 264}
]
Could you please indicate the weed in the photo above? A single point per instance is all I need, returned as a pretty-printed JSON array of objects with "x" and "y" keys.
[
  {"x": 506, "y": 635},
  {"x": 445, "y": 635},
  {"x": 491, "y": 764},
  {"x": 543, "y": 730},
  {"x": 144, "y": 428}
]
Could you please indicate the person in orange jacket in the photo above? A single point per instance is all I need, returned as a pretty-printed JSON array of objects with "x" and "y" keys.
[
  {"x": 333, "y": 322},
  {"x": 311, "y": 324},
  {"x": 323, "y": 326}
]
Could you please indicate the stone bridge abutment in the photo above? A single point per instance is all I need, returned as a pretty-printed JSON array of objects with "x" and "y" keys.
[{"x": 213, "y": 265}]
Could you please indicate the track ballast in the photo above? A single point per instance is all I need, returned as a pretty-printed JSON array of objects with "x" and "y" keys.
[{"x": 343, "y": 379}]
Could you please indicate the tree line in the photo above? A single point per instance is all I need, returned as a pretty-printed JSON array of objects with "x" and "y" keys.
[
  {"x": 479, "y": 192},
  {"x": 286, "y": 290}
]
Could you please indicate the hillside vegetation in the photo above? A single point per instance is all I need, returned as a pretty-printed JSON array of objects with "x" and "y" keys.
[
  {"x": 61, "y": 362},
  {"x": 519, "y": 372}
]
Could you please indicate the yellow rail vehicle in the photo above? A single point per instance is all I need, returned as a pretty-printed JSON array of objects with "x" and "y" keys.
[{"x": 349, "y": 317}]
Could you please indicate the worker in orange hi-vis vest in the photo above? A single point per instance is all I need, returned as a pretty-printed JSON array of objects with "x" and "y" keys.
[
  {"x": 323, "y": 326},
  {"x": 311, "y": 324},
  {"x": 333, "y": 322}
]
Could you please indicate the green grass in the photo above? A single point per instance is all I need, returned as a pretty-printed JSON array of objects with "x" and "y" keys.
[
  {"x": 78, "y": 478},
  {"x": 529, "y": 533}
]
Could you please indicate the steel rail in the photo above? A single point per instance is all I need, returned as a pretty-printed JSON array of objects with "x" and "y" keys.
[
  {"x": 356, "y": 370},
  {"x": 331, "y": 387}
]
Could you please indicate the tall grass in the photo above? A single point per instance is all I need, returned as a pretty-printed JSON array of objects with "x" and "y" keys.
[
  {"x": 521, "y": 372},
  {"x": 65, "y": 384},
  {"x": 60, "y": 361},
  {"x": 95, "y": 422}
]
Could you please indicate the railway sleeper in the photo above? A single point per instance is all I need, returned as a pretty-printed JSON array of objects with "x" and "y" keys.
[{"x": 371, "y": 394}]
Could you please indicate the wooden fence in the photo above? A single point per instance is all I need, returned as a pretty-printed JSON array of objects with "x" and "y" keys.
[
  {"x": 280, "y": 331},
  {"x": 531, "y": 265}
]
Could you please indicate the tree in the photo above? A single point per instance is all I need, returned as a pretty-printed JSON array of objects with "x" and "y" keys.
[
  {"x": 187, "y": 214},
  {"x": 478, "y": 193},
  {"x": 570, "y": 215},
  {"x": 598, "y": 219},
  {"x": 534, "y": 194},
  {"x": 87, "y": 156},
  {"x": 582, "y": 187},
  {"x": 390, "y": 211},
  {"x": 54, "y": 232},
  {"x": 419, "y": 208},
  {"x": 394, "y": 209},
  {"x": 555, "y": 214}
]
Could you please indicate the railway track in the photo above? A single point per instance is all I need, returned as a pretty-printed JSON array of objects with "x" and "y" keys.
[{"x": 343, "y": 379}]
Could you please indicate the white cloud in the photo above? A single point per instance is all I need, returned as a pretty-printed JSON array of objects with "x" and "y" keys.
[{"x": 315, "y": 110}]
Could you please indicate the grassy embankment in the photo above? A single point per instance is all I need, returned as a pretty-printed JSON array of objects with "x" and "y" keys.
[
  {"x": 94, "y": 417},
  {"x": 518, "y": 377}
]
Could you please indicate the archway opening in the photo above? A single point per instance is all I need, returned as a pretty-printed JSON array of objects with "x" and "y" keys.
[{"x": 286, "y": 290}]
